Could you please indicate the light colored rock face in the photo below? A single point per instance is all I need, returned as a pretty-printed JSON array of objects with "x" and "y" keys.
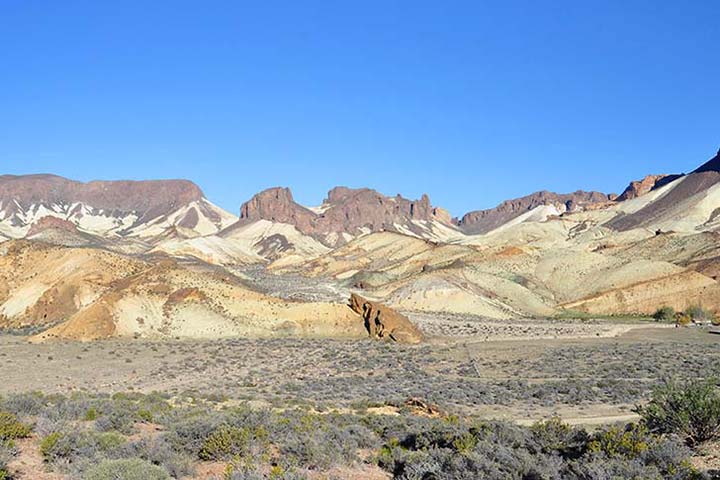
[
  {"x": 483, "y": 221},
  {"x": 89, "y": 293},
  {"x": 384, "y": 323}
]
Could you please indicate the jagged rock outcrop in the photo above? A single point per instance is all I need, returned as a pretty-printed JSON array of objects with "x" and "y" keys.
[
  {"x": 345, "y": 213},
  {"x": 384, "y": 323},
  {"x": 483, "y": 221},
  {"x": 639, "y": 188},
  {"x": 277, "y": 205},
  {"x": 348, "y": 209}
]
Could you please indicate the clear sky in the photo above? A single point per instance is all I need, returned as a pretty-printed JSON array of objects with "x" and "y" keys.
[{"x": 472, "y": 102}]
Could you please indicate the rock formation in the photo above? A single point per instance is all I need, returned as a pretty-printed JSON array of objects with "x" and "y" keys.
[
  {"x": 483, "y": 221},
  {"x": 151, "y": 197},
  {"x": 345, "y": 212},
  {"x": 113, "y": 208},
  {"x": 277, "y": 205},
  {"x": 639, "y": 188},
  {"x": 384, "y": 323}
]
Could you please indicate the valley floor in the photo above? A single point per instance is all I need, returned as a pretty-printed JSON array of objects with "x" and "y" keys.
[{"x": 583, "y": 380}]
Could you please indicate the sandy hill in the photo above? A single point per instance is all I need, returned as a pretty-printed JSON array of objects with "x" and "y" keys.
[{"x": 86, "y": 293}]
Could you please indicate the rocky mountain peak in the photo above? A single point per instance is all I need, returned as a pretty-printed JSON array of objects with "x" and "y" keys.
[
  {"x": 277, "y": 205},
  {"x": 345, "y": 211}
]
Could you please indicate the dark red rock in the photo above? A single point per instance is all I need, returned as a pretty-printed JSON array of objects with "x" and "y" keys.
[
  {"x": 349, "y": 210},
  {"x": 148, "y": 199}
]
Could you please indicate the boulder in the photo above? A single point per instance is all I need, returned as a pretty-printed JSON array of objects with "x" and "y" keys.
[{"x": 384, "y": 323}]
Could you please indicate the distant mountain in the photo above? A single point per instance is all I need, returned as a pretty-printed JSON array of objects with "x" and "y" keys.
[
  {"x": 547, "y": 253},
  {"x": 175, "y": 218},
  {"x": 347, "y": 213},
  {"x": 143, "y": 209},
  {"x": 483, "y": 221}
]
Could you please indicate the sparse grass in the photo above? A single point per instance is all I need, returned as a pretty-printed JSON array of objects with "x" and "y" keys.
[{"x": 293, "y": 443}]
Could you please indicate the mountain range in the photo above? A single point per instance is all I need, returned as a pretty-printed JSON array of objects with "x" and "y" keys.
[{"x": 158, "y": 258}]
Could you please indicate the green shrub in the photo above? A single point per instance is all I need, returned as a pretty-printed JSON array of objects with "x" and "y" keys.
[
  {"x": 664, "y": 314},
  {"x": 49, "y": 447},
  {"x": 555, "y": 436},
  {"x": 126, "y": 469},
  {"x": 11, "y": 427},
  {"x": 91, "y": 414},
  {"x": 627, "y": 442},
  {"x": 691, "y": 410},
  {"x": 227, "y": 442},
  {"x": 699, "y": 314}
]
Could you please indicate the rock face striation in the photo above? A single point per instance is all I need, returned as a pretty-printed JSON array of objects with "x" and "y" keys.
[
  {"x": 483, "y": 221},
  {"x": 384, "y": 323}
]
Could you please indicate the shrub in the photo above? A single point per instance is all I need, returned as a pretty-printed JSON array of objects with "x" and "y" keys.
[
  {"x": 11, "y": 428},
  {"x": 664, "y": 314},
  {"x": 554, "y": 436},
  {"x": 699, "y": 314},
  {"x": 91, "y": 414},
  {"x": 73, "y": 446},
  {"x": 120, "y": 418},
  {"x": 691, "y": 410},
  {"x": 6, "y": 453},
  {"x": 159, "y": 452},
  {"x": 48, "y": 447},
  {"x": 126, "y": 469},
  {"x": 24, "y": 403},
  {"x": 628, "y": 442},
  {"x": 227, "y": 442}
]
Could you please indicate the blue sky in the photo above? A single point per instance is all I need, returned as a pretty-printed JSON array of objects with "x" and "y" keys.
[{"x": 472, "y": 102}]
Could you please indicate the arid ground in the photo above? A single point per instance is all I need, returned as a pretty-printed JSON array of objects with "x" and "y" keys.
[{"x": 584, "y": 380}]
